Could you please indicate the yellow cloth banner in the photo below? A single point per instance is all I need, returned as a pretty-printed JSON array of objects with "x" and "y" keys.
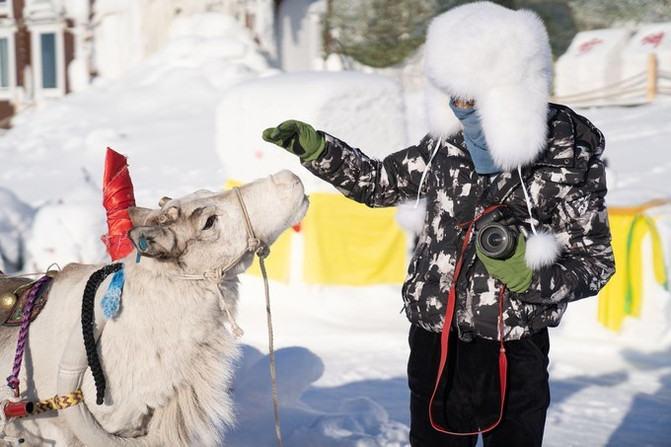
[
  {"x": 623, "y": 294},
  {"x": 347, "y": 243}
]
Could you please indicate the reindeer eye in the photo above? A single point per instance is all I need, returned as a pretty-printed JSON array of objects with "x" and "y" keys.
[{"x": 210, "y": 222}]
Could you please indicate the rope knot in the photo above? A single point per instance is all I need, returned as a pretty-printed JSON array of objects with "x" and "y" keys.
[
  {"x": 214, "y": 275},
  {"x": 257, "y": 246},
  {"x": 263, "y": 250}
]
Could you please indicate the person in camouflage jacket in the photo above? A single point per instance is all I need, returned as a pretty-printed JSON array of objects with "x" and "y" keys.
[
  {"x": 540, "y": 161},
  {"x": 567, "y": 186}
]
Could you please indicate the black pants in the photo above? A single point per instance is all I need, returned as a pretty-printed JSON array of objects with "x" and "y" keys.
[{"x": 468, "y": 398}]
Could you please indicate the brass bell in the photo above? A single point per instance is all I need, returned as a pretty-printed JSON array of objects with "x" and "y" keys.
[{"x": 7, "y": 301}]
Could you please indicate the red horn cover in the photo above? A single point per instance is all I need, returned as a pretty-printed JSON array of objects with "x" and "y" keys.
[{"x": 117, "y": 197}]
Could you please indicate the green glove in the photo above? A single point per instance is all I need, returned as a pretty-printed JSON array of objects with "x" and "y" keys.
[
  {"x": 513, "y": 272},
  {"x": 298, "y": 138}
]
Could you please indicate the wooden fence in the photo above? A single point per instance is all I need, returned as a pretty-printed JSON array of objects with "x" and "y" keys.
[{"x": 640, "y": 88}]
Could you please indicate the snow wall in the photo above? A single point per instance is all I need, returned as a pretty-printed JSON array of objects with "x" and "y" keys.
[
  {"x": 613, "y": 64},
  {"x": 654, "y": 38},
  {"x": 364, "y": 110},
  {"x": 591, "y": 62}
]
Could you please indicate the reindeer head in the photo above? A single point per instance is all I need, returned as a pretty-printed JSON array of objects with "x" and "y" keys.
[{"x": 205, "y": 231}]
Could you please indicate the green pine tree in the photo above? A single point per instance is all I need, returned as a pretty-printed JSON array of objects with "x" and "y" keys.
[
  {"x": 377, "y": 33},
  {"x": 383, "y": 33}
]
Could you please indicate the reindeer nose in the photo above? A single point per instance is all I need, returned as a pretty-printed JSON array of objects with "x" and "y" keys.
[{"x": 286, "y": 178}]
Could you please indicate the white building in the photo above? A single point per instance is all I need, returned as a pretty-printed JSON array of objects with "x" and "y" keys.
[{"x": 49, "y": 48}]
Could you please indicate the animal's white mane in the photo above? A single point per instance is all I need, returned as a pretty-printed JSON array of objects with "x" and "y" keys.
[{"x": 168, "y": 356}]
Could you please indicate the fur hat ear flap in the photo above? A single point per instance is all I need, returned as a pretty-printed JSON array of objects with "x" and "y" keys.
[
  {"x": 514, "y": 120},
  {"x": 442, "y": 120},
  {"x": 542, "y": 250}
]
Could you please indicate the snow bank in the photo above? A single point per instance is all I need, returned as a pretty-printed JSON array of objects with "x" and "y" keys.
[
  {"x": 15, "y": 217},
  {"x": 65, "y": 231},
  {"x": 366, "y": 111}
]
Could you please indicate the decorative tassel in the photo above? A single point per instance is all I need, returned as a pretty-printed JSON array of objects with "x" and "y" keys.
[{"x": 111, "y": 301}]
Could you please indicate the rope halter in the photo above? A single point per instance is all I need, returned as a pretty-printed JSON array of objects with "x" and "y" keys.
[
  {"x": 262, "y": 250},
  {"x": 254, "y": 245}
]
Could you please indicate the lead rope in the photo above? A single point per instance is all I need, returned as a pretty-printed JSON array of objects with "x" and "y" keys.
[
  {"x": 262, "y": 252},
  {"x": 271, "y": 351}
]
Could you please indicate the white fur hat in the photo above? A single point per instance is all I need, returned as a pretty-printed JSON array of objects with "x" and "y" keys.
[{"x": 500, "y": 58}]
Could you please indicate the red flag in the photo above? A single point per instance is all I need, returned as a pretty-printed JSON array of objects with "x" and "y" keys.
[{"x": 117, "y": 197}]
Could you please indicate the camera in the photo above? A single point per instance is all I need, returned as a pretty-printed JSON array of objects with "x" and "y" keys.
[{"x": 497, "y": 234}]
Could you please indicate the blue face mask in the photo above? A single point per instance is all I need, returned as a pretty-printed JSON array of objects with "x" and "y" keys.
[{"x": 475, "y": 141}]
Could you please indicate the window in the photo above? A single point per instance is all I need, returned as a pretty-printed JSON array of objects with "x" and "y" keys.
[
  {"x": 47, "y": 59},
  {"x": 4, "y": 63},
  {"x": 48, "y": 45}
]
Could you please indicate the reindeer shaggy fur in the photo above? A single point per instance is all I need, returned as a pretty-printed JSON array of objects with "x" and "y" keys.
[{"x": 168, "y": 356}]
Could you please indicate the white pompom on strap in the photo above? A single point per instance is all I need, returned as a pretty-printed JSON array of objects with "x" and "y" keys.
[{"x": 542, "y": 246}]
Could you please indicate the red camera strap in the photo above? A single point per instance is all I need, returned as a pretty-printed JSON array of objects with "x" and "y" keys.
[{"x": 444, "y": 336}]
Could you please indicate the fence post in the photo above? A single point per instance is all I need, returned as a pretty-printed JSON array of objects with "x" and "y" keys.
[{"x": 651, "y": 90}]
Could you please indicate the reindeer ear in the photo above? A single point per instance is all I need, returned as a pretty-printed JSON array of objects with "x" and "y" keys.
[
  {"x": 164, "y": 200},
  {"x": 142, "y": 217}
]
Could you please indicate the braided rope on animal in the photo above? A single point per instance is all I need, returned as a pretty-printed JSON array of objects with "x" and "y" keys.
[
  {"x": 13, "y": 379},
  {"x": 87, "y": 319},
  {"x": 59, "y": 402}
]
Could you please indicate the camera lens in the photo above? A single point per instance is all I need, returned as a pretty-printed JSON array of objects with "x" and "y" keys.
[{"x": 496, "y": 241}]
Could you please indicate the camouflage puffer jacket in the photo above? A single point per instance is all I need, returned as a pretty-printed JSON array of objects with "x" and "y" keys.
[{"x": 567, "y": 187}]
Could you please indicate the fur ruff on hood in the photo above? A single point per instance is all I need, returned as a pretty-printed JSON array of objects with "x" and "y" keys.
[{"x": 500, "y": 58}]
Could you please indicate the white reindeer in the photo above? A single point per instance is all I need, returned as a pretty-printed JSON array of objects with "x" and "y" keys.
[{"x": 168, "y": 355}]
